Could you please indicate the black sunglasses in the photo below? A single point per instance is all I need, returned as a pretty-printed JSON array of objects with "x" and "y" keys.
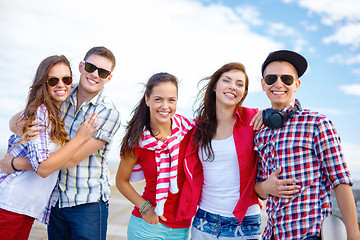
[
  {"x": 272, "y": 78},
  {"x": 54, "y": 80},
  {"x": 91, "y": 68}
]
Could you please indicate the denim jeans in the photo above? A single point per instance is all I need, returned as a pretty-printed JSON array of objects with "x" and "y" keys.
[
  {"x": 139, "y": 229},
  {"x": 85, "y": 221},
  {"x": 308, "y": 238},
  {"x": 213, "y": 226}
]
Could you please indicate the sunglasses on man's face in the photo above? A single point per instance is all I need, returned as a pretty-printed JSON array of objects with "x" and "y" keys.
[
  {"x": 54, "y": 80},
  {"x": 90, "y": 68},
  {"x": 272, "y": 78}
]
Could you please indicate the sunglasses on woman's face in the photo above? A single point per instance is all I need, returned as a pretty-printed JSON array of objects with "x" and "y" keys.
[
  {"x": 272, "y": 78},
  {"x": 54, "y": 80},
  {"x": 90, "y": 68}
]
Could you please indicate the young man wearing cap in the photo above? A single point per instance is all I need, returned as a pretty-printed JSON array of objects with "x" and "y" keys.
[
  {"x": 300, "y": 158},
  {"x": 80, "y": 206}
]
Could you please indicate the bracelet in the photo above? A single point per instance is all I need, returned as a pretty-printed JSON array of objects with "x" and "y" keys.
[
  {"x": 143, "y": 213},
  {"x": 12, "y": 164},
  {"x": 143, "y": 206}
]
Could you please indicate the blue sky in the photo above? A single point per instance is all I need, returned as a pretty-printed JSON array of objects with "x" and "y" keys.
[{"x": 190, "y": 39}]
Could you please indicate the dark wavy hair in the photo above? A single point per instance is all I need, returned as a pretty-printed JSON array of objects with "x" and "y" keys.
[
  {"x": 38, "y": 95},
  {"x": 206, "y": 112},
  {"x": 141, "y": 114}
]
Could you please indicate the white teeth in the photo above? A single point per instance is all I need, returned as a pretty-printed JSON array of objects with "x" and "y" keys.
[
  {"x": 91, "y": 81},
  {"x": 230, "y": 94},
  {"x": 60, "y": 92},
  {"x": 163, "y": 113},
  {"x": 278, "y": 93}
]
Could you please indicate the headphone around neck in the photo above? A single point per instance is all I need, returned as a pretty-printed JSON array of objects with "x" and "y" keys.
[{"x": 273, "y": 118}]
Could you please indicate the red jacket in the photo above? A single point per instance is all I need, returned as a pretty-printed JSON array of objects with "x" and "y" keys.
[
  {"x": 146, "y": 158},
  {"x": 247, "y": 157}
]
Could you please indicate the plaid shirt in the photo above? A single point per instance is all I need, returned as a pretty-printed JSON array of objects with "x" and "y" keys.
[
  {"x": 308, "y": 149},
  {"x": 89, "y": 181},
  {"x": 36, "y": 150}
]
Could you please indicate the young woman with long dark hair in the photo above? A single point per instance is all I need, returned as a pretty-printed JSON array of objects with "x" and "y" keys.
[
  {"x": 25, "y": 195},
  {"x": 154, "y": 147},
  {"x": 224, "y": 141}
]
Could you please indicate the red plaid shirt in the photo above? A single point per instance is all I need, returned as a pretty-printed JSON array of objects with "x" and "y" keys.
[{"x": 308, "y": 149}]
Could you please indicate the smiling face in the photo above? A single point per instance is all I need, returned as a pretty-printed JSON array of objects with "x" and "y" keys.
[
  {"x": 279, "y": 93},
  {"x": 60, "y": 91},
  {"x": 162, "y": 103},
  {"x": 91, "y": 83},
  {"x": 230, "y": 88}
]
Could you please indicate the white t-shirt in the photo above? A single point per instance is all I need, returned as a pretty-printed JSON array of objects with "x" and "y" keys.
[
  {"x": 29, "y": 193},
  {"x": 221, "y": 188}
]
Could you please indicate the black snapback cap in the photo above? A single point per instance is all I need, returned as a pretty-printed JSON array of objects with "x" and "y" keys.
[{"x": 298, "y": 61}]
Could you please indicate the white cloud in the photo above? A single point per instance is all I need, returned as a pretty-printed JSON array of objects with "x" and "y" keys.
[
  {"x": 333, "y": 11},
  {"x": 280, "y": 29},
  {"x": 346, "y": 35},
  {"x": 343, "y": 15},
  {"x": 356, "y": 71},
  {"x": 353, "y": 89},
  {"x": 311, "y": 27},
  {"x": 250, "y": 14},
  {"x": 347, "y": 59},
  {"x": 300, "y": 44},
  {"x": 182, "y": 37},
  {"x": 146, "y": 37}
]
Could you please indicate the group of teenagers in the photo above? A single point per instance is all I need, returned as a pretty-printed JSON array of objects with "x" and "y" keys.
[{"x": 205, "y": 177}]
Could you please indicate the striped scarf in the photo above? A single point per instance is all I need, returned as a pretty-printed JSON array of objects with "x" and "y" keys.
[{"x": 166, "y": 157}]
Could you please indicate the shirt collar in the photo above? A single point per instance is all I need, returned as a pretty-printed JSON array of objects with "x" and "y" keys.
[
  {"x": 289, "y": 106},
  {"x": 95, "y": 100},
  {"x": 237, "y": 115}
]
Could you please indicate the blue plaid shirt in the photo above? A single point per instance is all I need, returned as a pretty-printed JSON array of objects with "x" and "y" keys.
[
  {"x": 37, "y": 152},
  {"x": 89, "y": 181},
  {"x": 308, "y": 149}
]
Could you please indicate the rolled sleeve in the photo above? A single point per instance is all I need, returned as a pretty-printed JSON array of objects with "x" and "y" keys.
[
  {"x": 329, "y": 150},
  {"x": 38, "y": 147},
  {"x": 109, "y": 120}
]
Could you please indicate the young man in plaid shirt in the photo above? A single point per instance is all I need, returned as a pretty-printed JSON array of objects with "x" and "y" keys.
[
  {"x": 80, "y": 205},
  {"x": 300, "y": 158}
]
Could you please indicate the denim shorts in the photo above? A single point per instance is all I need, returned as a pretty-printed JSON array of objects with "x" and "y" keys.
[
  {"x": 139, "y": 229},
  {"x": 213, "y": 226}
]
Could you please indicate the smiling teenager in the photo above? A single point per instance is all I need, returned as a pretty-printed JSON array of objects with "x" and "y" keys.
[
  {"x": 83, "y": 189},
  {"x": 223, "y": 142},
  {"x": 25, "y": 195},
  {"x": 153, "y": 148},
  {"x": 300, "y": 158}
]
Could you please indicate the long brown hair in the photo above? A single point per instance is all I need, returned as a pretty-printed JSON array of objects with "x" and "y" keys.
[
  {"x": 206, "y": 112},
  {"x": 38, "y": 95},
  {"x": 141, "y": 114}
]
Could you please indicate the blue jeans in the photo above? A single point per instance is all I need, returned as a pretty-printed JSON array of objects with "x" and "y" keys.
[
  {"x": 85, "y": 221},
  {"x": 308, "y": 238},
  {"x": 139, "y": 229},
  {"x": 213, "y": 226}
]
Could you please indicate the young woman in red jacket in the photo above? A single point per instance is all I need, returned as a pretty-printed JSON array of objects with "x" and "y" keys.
[
  {"x": 229, "y": 207},
  {"x": 153, "y": 148}
]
